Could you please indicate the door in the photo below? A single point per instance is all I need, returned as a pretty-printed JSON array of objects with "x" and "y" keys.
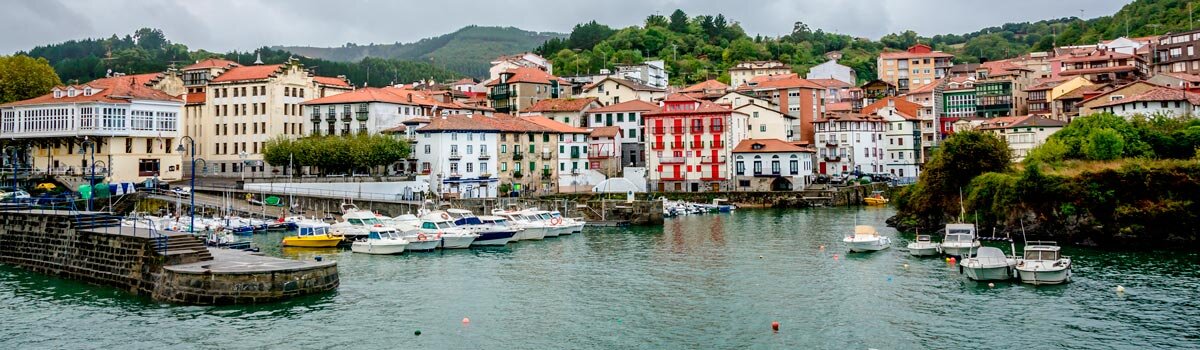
[{"x": 822, "y": 167}]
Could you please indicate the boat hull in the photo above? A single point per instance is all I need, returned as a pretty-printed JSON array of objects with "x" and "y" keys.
[
  {"x": 376, "y": 248},
  {"x": 494, "y": 238},
  {"x": 1039, "y": 276},
  {"x": 875, "y": 201},
  {"x": 422, "y": 246},
  {"x": 533, "y": 233},
  {"x": 923, "y": 250},
  {"x": 311, "y": 242},
  {"x": 454, "y": 242},
  {"x": 868, "y": 246},
  {"x": 958, "y": 250},
  {"x": 1000, "y": 273}
]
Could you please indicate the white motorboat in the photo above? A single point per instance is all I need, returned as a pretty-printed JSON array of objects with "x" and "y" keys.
[
  {"x": 1042, "y": 263},
  {"x": 380, "y": 240},
  {"x": 576, "y": 224},
  {"x": 439, "y": 224},
  {"x": 489, "y": 232},
  {"x": 960, "y": 240},
  {"x": 498, "y": 227},
  {"x": 866, "y": 239},
  {"x": 420, "y": 242},
  {"x": 356, "y": 223},
  {"x": 988, "y": 264},
  {"x": 553, "y": 228},
  {"x": 530, "y": 230},
  {"x": 924, "y": 246}
]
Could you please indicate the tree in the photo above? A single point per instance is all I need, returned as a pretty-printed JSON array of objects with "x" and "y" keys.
[
  {"x": 151, "y": 38},
  {"x": 679, "y": 22},
  {"x": 1104, "y": 144},
  {"x": 23, "y": 77},
  {"x": 337, "y": 154},
  {"x": 587, "y": 35},
  {"x": 961, "y": 158},
  {"x": 656, "y": 21}
]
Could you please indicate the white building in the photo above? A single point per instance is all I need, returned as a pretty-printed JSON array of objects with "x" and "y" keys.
[
  {"x": 1156, "y": 101},
  {"x": 612, "y": 90},
  {"x": 370, "y": 110},
  {"x": 903, "y": 148},
  {"x": 771, "y": 165},
  {"x": 455, "y": 153},
  {"x": 832, "y": 70},
  {"x": 522, "y": 60},
  {"x": 765, "y": 120},
  {"x": 627, "y": 116},
  {"x": 1022, "y": 133},
  {"x": 649, "y": 73},
  {"x": 604, "y": 150},
  {"x": 127, "y": 127},
  {"x": 848, "y": 142}
]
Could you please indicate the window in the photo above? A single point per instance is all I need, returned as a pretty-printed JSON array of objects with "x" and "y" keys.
[
  {"x": 503, "y": 166},
  {"x": 148, "y": 167},
  {"x": 428, "y": 149}
]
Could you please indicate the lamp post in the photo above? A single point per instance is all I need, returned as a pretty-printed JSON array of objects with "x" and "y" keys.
[
  {"x": 92, "y": 164},
  {"x": 243, "y": 155},
  {"x": 191, "y": 150}
]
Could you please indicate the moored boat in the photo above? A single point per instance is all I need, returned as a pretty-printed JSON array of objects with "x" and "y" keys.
[
  {"x": 313, "y": 234},
  {"x": 492, "y": 231},
  {"x": 1043, "y": 263},
  {"x": 438, "y": 223},
  {"x": 960, "y": 240},
  {"x": 924, "y": 246},
  {"x": 988, "y": 264},
  {"x": 876, "y": 198},
  {"x": 380, "y": 240},
  {"x": 866, "y": 239}
]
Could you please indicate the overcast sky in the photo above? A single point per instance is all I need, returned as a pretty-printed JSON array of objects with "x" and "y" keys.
[{"x": 220, "y": 25}]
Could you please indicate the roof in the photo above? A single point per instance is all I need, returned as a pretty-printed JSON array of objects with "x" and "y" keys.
[
  {"x": 465, "y": 81},
  {"x": 703, "y": 106},
  {"x": 1114, "y": 89},
  {"x": 460, "y": 122},
  {"x": 926, "y": 87},
  {"x": 1191, "y": 78},
  {"x": 213, "y": 62},
  {"x": 915, "y": 51},
  {"x": 120, "y": 89},
  {"x": 1099, "y": 55},
  {"x": 1000, "y": 67},
  {"x": 831, "y": 83},
  {"x": 561, "y": 105},
  {"x": 767, "y": 146},
  {"x": 1020, "y": 121},
  {"x": 903, "y": 106},
  {"x": 341, "y": 81},
  {"x": 829, "y": 117},
  {"x": 779, "y": 82},
  {"x": 627, "y": 106},
  {"x": 552, "y": 125},
  {"x": 394, "y": 130},
  {"x": 1097, "y": 70},
  {"x": 624, "y": 82},
  {"x": 606, "y": 131},
  {"x": 1079, "y": 92},
  {"x": 241, "y": 73},
  {"x": 711, "y": 84},
  {"x": 839, "y": 107},
  {"x": 1157, "y": 94},
  {"x": 530, "y": 75}
]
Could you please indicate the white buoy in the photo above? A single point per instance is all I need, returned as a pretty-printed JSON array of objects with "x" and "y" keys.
[
  {"x": 1120, "y": 289},
  {"x": 906, "y": 266},
  {"x": 991, "y": 285}
]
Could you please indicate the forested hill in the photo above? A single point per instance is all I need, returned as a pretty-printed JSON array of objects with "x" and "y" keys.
[
  {"x": 148, "y": 50},
  {"x": 705, "y": 46},
  {"x": 467, "y": 51}
]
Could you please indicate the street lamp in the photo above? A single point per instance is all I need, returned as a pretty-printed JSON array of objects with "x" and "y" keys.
[
  {"x": 243, "y": 155},
  {"x": 191, "y": 150},
  {"x": 92, "y": 165}
]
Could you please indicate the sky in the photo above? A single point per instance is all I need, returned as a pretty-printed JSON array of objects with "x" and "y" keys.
[{"x": 223, "y": 25}]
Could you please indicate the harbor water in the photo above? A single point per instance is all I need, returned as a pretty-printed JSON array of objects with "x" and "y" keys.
[{"x": 710, "y": 281}]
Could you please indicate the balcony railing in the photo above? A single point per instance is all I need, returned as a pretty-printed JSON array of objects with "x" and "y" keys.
[
  {"x": 574, "y": 155},
  {"x": 485, "y": 175},
  {"x": 454, "y": 176},
  {"x": 712, "y": 177},
  {"x": 672, "y": 160},
  {"x": 361, "y": 116},
  {"x": 712, "y": 160},
  {"x": 331, "y": 117},
  {"x": 316, "y": 117},
  {"x": 484, "y": 155},
  {"x": 696, "y": 129},
  {"x": 518, "y": 156},
  {"x": 697, "y": 144},
  {"x": 346, "y": 117},
  {"x": 657, "y": 145},
  {"x": 455, "y": 155},
  {"x": 600, "y": 155},
  {"x": 547, "y": 155},
  {"x": 658, "y": 130},
  {"x": 831, "y": 143},
  {"x": 717, "y": 144},
  {"x": 716, "y": 128},
  {"x": 833, "y": 158},
  {"x": 546, "y": 174},
  {"x": 677, "y": 130}
]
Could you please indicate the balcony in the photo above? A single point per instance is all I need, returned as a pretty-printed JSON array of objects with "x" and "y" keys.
[
  {"x": 674, "y": 177},
  {"x": 697, "y": 144},
  {"x": 484, "y": 155},
  {"x": 518, "y": 156},
  {"x": 517, "y": 174},
  {"x": 485, "y": 176},
  {"x": 346, "y": 117},
  {"x": 546, "y": 174},
  {"x": 696, "y": 129},
  {"x": 575, "y": 155},
  {"x": 547, "y": 155},
  {"x": 658, "y": 130},
  {"x": 455, "y": 156},
  {"x": 454, "y": 176},
  {"x": 831, "y": 143},
  {"x": 716, "y": 128},
  {"x": 833, "y": 158},
  {"x": 316, "y": 117},
  {"x": 657, "y": 145},
  {"x": 712, "y": 177},
  {"x": 677, "y": 130},
  {"x": 361, "y": 116},
  {"x": 672, "y": 160},
  {"x": 712, "y": 160},
  {"x": 331, "y": 117},
  {"x": 773, "y": 173},
  {"x": 717, "y": 144},
  {"x": 600, "y": 155}
]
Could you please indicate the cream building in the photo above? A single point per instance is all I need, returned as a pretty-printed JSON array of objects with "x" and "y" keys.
[
  {"x": 744, "y": 71},
  {"x": 612, "y": 90}
]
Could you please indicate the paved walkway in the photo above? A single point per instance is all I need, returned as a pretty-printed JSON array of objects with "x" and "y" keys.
[{"x": 229, "y": 261}]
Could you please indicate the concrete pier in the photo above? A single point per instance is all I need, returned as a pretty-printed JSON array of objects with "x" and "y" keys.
[{"x": 168, "y": 266}]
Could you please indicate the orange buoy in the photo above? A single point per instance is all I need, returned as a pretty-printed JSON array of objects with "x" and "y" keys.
[
  {"x": 952, "y": 260},
  {"x": 835, "y": 257},
  {"x": 822, "y": 247},
  {"x": 775, "y": 326},
  {"x": 466, "y": 320}
]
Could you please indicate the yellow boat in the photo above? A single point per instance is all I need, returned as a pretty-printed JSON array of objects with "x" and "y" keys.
[
  {"x": 312, "y": 234},
  {"x": 875, "y": 199}
]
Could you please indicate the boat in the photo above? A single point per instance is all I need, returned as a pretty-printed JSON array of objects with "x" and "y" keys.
[
  {"x": 960, "y": 240},
  {"x": 575, "y": 224},
  {"x": 530, "y": 230},
  {"x": 924, "y": 246},
  {"x": 1042, "y": 263},
  {"x": 225, "y": 239},
  {"x": 380, "y": 240},
  {"x": 866, "y": 239},
  {"x": 876, "y": 198},
  {"x": 490, "y": 233},
  {"x": 439, "y": 223},
  {"x": 356, "y": 223},
  {"x": 988, "y": 264},
  {"x": 313, "y": 234},
  {"x": 556, "y": 226},
  {"x": 420, "y": 242}
]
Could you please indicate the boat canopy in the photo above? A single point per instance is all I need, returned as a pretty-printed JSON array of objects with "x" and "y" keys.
[
  {"x": 991, "y": 256},
  {"x": 864, "y": 230},
  {"x": 960, "y": 228}
]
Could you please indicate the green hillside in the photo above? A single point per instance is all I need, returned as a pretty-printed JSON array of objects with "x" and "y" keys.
[{"x": 467, "y": 51}]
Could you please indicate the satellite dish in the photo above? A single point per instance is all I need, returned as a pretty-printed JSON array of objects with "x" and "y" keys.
[{"x": 108, "y": 73}]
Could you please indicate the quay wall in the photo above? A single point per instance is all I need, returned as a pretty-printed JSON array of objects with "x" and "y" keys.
[{"x": 203, "y": 287}]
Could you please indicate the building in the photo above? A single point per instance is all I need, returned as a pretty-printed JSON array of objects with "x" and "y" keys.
[
  {"x": 795, "y": 97},
  {"x": 455, "y": 155},
  {"x": 1103, "y": 66},
  {"x": 649, "y": 73},
  {"x": 1038, "y": 64},
  {"x": 706, "y": 90},
  {"x": 1189, "y": 82},
  {"x": 1092, "y": 102},
  {"x": 627, "y": 118},
  {"x": 1022, "y": 133},
  {"x": 522, "y": 60},
  {"x": 612, "y": 90},
  {"x": 1176, "y": 53},
  {"x": 873, "y": 91},
  {"x": 913, "y": 68},
  {"x": 832, "y": 70},
  {"x": 689, "y": 143},
  {"x": 572, "y": 153},
  {"x": 120, "y": 128},
  {"x": 1155, "y": 101},
  {"x": 371, "y": 110},
  {"x": 903, "y": 152},
  {"x": 765, "y": 120},
  {"x": 771, "y": 165},
  {"x": 604, "y": 151},
  {"x": 1000, "y": 89},
  {"x": 1066, "y": 107},
  {"x": 570, "y": 111},
  {"x": 1041, "y": 96},
  {"x": 245, "y": 106},
  {"x": 519, "y": 88},
  {"x": 743, "y": 72},
  {"x": 958, "y": 97},
  {"x": 848, "y": 142}
]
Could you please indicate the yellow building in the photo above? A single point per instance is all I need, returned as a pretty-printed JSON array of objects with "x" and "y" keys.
[
  {"x": 745, "y": 71},
  {"x": 612, "y": 90},
  {"x": 913, "y": 68}
]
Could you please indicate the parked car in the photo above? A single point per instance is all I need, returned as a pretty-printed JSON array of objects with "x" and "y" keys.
[
  {"x": 821, "y": 179},
  {"x": 17, "y": 195},
  {"x": 182, "y": 191},
  {"x": 837, "y": 179}
]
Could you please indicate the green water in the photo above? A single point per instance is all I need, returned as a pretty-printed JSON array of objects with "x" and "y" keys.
[{"x": 697, "y": 282}]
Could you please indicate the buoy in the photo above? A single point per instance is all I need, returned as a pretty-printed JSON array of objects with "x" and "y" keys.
[
  {"x": 822, "y": 247},
  {"x": 991, "y": 285},
  {"x": 947, "y": 259},
  {"x": 418, "y": 332},
  {"x": 889, "y": 279},
  {"x": 1120, "y": 289},
  {"x": 835, "y": 257},
  {"x": 466, "y": 320},
  {"x": 952, "y": 260},
  {"x": 760, "y": 256},
  {"x": 775, "y": 326},
  {"x": 906, "y": 266}
]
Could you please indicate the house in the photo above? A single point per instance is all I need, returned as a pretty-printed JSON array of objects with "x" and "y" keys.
[
  {"x": 875, "y": 90},
  {"x": 1091, "y": 102},
  {"x": 912, "y": 68},
  {"x": 115, "y": 129},
  {"x": 570, "y": 111},
  {"x": 627, "y": 118},
  {"x": 245, "y": 106},
  {"x": 604, "y": 151},
  {"x": 1105, "y": 66},
  {"x": 519, "y": 88},
  {"x": 1176, "y": 53},
  {"x": 612, "y": 90},
  {"x": 649, "y": 73},
  {"x": 1000, "y": 89},
  {"x": 848, "y": 142},
  {"x": 1041, "y": 95},
  {"x": 1066, "y": 107},
  {"x": 743, "y": 72},
  {"x": 765, "y": 120},
  {"x": 903, "y": 153},
  {"x": 794, "y": 96},
  {"x": 522, "y": 60},
  {"x": 455, "y": 155},
  {"x": 706, "y": 90},
  {"x": 1022, "y": 133},
  {"x": 1186, "y": 81},
  {"x": 958, "y": 97},
  {"x": 571, "y": 155},
  {"x": 689, "y": 142},
  {"x": 832, "y": 70},
  {"x": 1156, "y": 101},
  {"x": 771, "y": 165},
  {"x": 371, "y": 110}
]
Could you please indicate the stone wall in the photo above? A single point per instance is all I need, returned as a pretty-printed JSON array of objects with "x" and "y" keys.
[{"x": 207, "y": 288}]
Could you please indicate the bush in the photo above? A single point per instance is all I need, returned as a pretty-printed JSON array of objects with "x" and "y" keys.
[
  {"x": 1103, "y": 144},
  {"x": 336, "y": 154}
]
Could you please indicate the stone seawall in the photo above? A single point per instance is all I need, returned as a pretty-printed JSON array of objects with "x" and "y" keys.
[{"x": 228, "y": 281}]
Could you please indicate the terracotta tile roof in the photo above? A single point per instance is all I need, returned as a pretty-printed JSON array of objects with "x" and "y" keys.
[
  {"x": 552, "y": 125},
  {"x": 1097, "y": 70},
  {"x": 196, "y": 98},
  {"x": 1098, "y": 55},
  {"x": 927, "y": 88},
  {"x": 331, "y": 81},
  {"x": 119, "y": 89},
  {"x": 1020, "y": 121},
  {"x": 833, "y": 117},
  {"x": 399, "y": 129},
  {"x": 464, "y": 81},
  {"x": 145, "y": 79},
  {"x": 707, "y": 85},
  {"x": 243, "y": 73},
  {"x": 606, "y": 131},
  {"x": 627, "y": 106},
  {"x": 680, "y": 98},
  {"x": 1158, "y": 94},
  {"x": 561, "y": 105},
  {"x": 903, "y": 106},
  {"x": 906, "y": 54},
  {"x": 1191, "y": 78},
  {"x": 526, "y": 75},
  {"x": 417, "y": 120},
  {"x": 1080, "y": 91},
  {"x": 624, "y": 82},
  {"x": 766, "y": 146},
  {"x": 1113, "y": 89},
  {"x": 461, "y": 122},
  {"x": 831, "y": 83},
  {"x": 839, "y": 107},
  {"x": 786, "y": 81},
  {"x": 703, "y": 106},
  {"x": 1000, "y": 67},
  {"x": 211, "y": 63}
]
